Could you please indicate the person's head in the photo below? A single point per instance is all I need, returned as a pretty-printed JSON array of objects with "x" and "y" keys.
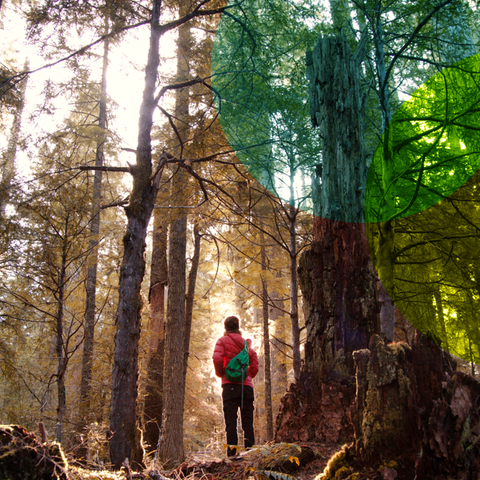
[{"x": 232, "y": 325}]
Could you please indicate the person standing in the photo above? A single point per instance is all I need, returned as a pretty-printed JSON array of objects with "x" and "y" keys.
[{"x": 233, "y": 397}]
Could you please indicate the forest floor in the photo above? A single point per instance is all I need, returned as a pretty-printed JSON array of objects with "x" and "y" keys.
[
  {"x": 22, "y": 455},
  {"x": 303, "y": 462},
  {"x": 263, "y": 463}
]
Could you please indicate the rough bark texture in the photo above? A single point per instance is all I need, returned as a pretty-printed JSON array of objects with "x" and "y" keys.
[
  {"x": 385, "y": 422},
  {"x": 338, "y": 283},
  {"x": 125, "y": 440},
  {"x": 450, "y": 448},
  {"x": 297, "y": 363},
  {"x": 411, "y": 420},
  {"x": 192, "y": 280},
  {"x": 153, "y": 406},
  {"x": 314, "y": 412},
  {"x": 337, "y": 108},
  {"x": 336, "y": 275},
  {"x": 91, "y": 282},
  {"x": 171, "y": 440}
]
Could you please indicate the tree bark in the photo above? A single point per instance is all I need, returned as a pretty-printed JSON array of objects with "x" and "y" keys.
[
  {"x": 60, "y": 348},
  {"x": 386, "y": 243},
  {"x": 336, "y": 275},
  {"x": 153, "y": 406},
  {"x": 411, "y": 420},
  {"x": 278, "y": 341},
  {"x": 171, "y": 441},
  {"x": 266, "y": 348},
  {"x": 297, "y": 364},
  {"x": 91, "y": 283},
  {"x": 125, "y": 440},
  {"x": 192, "y": 280}
]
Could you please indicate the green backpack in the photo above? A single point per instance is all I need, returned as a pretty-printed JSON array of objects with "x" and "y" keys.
[{"x": 237, "y": 368}]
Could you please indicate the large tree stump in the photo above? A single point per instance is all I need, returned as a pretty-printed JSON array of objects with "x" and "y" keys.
[
  {"x": 451, "y": 445},
  {"x": 312, "y": 412},
  {"x": 411, "y": 420},
  {"x": 336, "y": 275},
  {"x": 386, "y": 420}
]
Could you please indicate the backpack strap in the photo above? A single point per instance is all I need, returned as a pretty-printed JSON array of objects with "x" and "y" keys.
[{"x": 245, "y": 345}]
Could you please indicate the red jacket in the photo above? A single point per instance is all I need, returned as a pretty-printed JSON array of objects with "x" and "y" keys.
[{"x": 226, "y": 348}]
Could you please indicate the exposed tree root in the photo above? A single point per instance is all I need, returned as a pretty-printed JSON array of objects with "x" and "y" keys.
[{"x": 22, "y": 456}]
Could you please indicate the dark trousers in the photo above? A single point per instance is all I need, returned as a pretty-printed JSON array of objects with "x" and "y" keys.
[{"x": 232, "y": 396}]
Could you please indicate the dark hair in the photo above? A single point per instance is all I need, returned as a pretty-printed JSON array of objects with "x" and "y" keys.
[{"x": 232, "y": 325}]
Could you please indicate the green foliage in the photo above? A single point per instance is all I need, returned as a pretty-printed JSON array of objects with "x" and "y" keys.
[
  {"x": 259, "y": 82},
  {"x": 435, "y": 189},
  {"x": 435, "y": 145}
]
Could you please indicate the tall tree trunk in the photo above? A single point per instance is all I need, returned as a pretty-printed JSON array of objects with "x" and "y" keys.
[
  {"x": 342, "y": 307},
  {"x": 278, "y": 341},
  {"x": 171, "y": 441},
  {"x": 125, "y": 440},
  {"x": 153, "y": 406},
  {"x": 91, "y": 283},
  {"x": 266, "y": 347},
  {"x": 192, "y": 280},
  {"x": 60, "y": 350},
  {"x": 336, "y": 275},
  {"x": 386, "y": 242},
  {"x": 294, "y": 290}
]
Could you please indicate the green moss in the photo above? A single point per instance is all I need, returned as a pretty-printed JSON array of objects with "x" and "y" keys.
[
  {"x": 392, "y": 464},
  {"x": 336, "y": 464},
  {"x": 343, "y": 473}
]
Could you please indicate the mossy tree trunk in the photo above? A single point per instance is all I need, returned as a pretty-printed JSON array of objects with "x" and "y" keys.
[
  {"x": 412, "y": 420},
  {"x": 336, "y": 275}
]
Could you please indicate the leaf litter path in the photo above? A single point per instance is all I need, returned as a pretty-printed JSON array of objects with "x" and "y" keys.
[{"x": 298, "y": 461}]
